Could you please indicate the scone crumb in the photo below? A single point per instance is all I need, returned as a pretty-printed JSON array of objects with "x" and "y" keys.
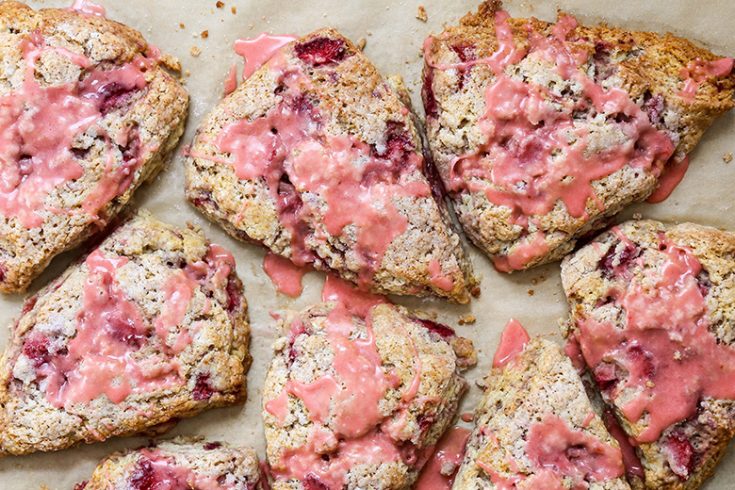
[
  {"x": 233, "y": 10},
  {"x": 220, "y": 4},
  {"x": 195, "y": 51},
  {"x": 205, "y": 34},
  {"x": 467, "y": 319},
  {"x": 421, "y": 14},
  {"x": 637, "y": 216},
  {"x": 182, "y": 25},
  {"x": 727, "y": 157},
  {"x": 361, "y": 43}
]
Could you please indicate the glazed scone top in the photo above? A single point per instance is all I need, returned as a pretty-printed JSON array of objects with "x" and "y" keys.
[
  {"x": 652, "y": 317},
  {"x": 88, "y": 112},
  {"x": 358, "y": 392},
  {"x": 533, "y": 124},
  {"x": 180, "y": 463},
  {"x": 316, "y": 157},
  {"x": 535, "y": 426},
  {"x": 150, "y": 325}
]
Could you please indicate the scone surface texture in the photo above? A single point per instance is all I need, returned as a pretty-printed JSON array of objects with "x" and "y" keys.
[
  {"x": 317, "y": 157},
  {"x": 150, "y": 326},
  {"x": 540, "y": 131},
  {"x": 89, "y": 113},
  {"x": 652, "y": 318}
]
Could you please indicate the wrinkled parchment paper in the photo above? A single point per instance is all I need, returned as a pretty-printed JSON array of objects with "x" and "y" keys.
[{"x": 394, "y": 37}]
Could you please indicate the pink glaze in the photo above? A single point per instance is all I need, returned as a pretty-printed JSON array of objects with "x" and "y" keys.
[
  {"x": 306, "y": 463},
  {"x": 258, "y": 50},
  {"x": 438, "y": 278},
  {"x": 89, "y": 8},
  {"x": 523, "y": 253},
  {"x": 156, "y": 471},
  {"x": 357, "y": 302},
  {"x": 101, "y": 357},
  {"x": 288, "y": 149},
  {"x": 285, "y": 275},
  {"x": 670, "y": 178},
  {"x": 633, "y": 465},
  {"x": 528, "y": 163},
  {"x": 439, "y": 472},
  {"x": 231, "y": 80},
  {"x": 177, "y": 292},
  {"x": 512, "y": 342},
  {"x": 553, "y": 446},
  {"x": 38, "y": 125},
  {"x": 665, "y": 345},
  {"x": 344, "y": 404},
  {"x": 698, "y": 71}
]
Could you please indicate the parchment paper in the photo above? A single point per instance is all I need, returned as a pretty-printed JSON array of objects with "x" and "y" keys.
[{"x": 394, "y": 37}]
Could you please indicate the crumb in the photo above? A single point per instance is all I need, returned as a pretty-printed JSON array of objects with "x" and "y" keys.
[
  {"x": 205, "y": 34},
  {"x": 421, "y": 14},
  {"x": 233, "y": 10},
  {"x": 467, "y": 319},
  {"x": 220, "y": 4},
  {"x": 531, "y": 292},
  {"x": 727, "y": 157},
  {"x": 637, "y": 216},
  {"x": 361, "y": 43},
  {"x": 187, "y": 73},
  {"x": 182, "y": 25},
  {"x": 195, "y": 51}
]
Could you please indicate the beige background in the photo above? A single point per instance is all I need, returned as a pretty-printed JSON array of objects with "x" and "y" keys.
[{"x": 394, "y": 37}]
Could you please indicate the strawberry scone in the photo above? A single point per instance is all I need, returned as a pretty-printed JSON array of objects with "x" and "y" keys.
[
  {"x": 151, "y": 326},
  {"x": 88, "y": 113},
  {"x": 183, "y": 463},
  {"x": 541, "y": 131},
  {"x": 652, "y": 319},
  {"x": 358, "y": 393},
  {"x": 535, "y": 427},
  {"x": 317, "y": 157}
]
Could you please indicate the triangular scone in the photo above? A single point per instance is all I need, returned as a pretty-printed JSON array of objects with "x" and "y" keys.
[
  {"x": 540, "y": 131},
  {"x": 536, "y": 429},
  {"x": 317, "y": 157},
  {"x": 89, "y": 113},
  {"x": 357, "y": 395},
  {"x": 181, "y": 463},
  {"x": 151, "y": 326},
  {"x": 652, "y": 317}
]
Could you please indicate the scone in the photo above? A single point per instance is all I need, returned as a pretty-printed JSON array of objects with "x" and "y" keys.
[
  {"x": 88, "y": 113},
  {"x": 179, "y": 464},
  {"x": 652, "y": 318},
  {"x": 536, "y": 428},
  {"x": 541, "y": 131},
  {"x": 151, "y": 326},
  {"x": 317, "y": 157},
  {"x": 358, "y": 393}
]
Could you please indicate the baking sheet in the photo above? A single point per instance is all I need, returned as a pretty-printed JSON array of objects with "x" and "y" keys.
[{"x": 394, "y": 37}]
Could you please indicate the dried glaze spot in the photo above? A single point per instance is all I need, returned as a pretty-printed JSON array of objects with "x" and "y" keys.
[{"x": 321, "y": 51}]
